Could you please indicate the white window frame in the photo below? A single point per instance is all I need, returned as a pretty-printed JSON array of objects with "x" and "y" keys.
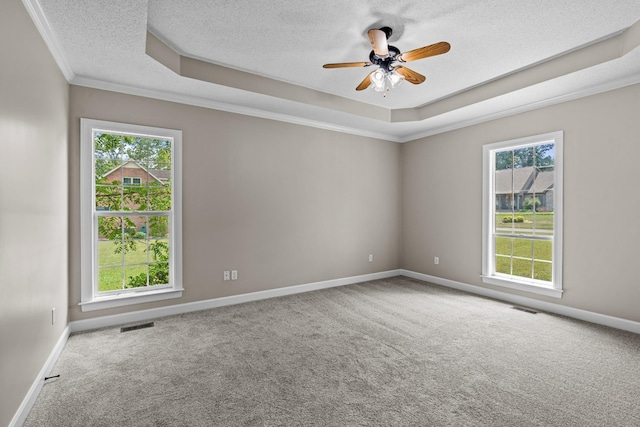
[
  {"x": 90, "y": 299},
  {"x": 489, "y": 276}
]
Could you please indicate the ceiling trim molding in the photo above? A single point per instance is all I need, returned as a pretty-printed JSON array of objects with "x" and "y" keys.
[
  {"x": 608, "y": 48},
  {"x": 44, "y": 28},
  {"x": 226, "y": 107},
  {"x": 605, "y": 49},
  {"x": 606, "y": 87},
  {"x": 197, "y": 69}
]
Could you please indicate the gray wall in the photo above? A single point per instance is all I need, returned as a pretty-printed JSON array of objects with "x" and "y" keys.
[
  {"x": 281, "y": 203},
  {"x": 33, "y": 205},
  {"x": 442, "y": 205}
]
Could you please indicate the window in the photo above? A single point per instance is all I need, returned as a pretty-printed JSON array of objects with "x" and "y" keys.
[
  {"x": 131, "y": 181},
  {"x": 131, "y": 214},
  {"x": 522, "y": 214}
]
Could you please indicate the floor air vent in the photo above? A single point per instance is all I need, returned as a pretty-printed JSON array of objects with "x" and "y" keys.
[
  {"x": 526, "y": 310},
  {"x": 135, "y": 327}
]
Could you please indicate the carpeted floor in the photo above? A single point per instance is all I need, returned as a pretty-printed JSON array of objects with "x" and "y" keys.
[{"x": 393, "y": 352}]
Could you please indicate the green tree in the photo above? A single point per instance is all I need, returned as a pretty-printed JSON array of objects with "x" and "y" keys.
[
  {"x": 540, "y": 156},
  {"x": 113, "y": 150}
]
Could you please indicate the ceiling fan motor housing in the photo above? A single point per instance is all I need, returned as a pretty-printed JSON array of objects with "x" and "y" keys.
[{"x": 385, "y": 62}]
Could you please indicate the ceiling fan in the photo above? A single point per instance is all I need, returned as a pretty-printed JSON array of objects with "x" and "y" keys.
[{"x": 390, "y": 72}]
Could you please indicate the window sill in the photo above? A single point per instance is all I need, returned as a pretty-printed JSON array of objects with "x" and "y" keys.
[
  {"x": 523, "y": 286},
  {"x": 102, "y": 303}
]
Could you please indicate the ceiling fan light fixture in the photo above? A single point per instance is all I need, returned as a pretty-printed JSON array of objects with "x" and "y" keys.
[
  {"x": 383, "y": 80},
  {"x": 395, "y": 79},
  {"x": 378, "y": 78}
]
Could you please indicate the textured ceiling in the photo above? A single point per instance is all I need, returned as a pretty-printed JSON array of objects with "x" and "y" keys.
[{"x": 265, "y": 58}]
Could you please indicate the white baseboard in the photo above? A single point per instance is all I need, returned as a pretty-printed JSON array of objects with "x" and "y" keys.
[
  {"x": 576, "y": 313},
  {"x": 31, "y": 396},
  {"x": 137, "y": 316}
]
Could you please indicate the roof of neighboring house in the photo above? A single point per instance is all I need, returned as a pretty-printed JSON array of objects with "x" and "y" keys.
[
  {"x": 161, "y": 174},
  {"x": 544, "y": 182},
  {"x": 521, "y": 178}
]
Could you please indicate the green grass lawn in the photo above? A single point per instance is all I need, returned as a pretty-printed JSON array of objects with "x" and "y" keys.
[
  {"x": 524, "y": 252},
  {"x": 112, "y": 265}
]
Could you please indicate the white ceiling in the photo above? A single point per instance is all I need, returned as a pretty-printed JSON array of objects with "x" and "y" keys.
[{"x": 498, "y": 63}]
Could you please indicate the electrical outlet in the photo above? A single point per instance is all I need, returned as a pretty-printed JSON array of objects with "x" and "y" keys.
[
  {"x": 436, "y": 260},
  {"x": 234, "y": 274},
  {"x": 370, "y": 257},
  {"x": 226, "y": 275}
]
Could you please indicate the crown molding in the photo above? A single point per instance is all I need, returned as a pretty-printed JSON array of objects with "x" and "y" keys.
[
  {"x": 253, "y": 112},
  {"x": 230, "y": 108},
  {"x": 594, "y": 90},
  {"x": 47, "y": 34}
]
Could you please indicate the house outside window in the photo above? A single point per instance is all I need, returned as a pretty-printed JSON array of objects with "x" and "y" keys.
[
  {"x": 131, "y": 214},
  {"x": 522, "y": 214}
]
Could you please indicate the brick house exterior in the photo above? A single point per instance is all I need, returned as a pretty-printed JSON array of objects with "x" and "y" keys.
[{"x": 132, "y": 174}]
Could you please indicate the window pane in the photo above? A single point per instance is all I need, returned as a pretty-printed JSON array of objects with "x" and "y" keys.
[
  {"x": 545, "y": 155},
  {"x": 108, "y": 197},
  {"x": 542, "y": 271},
  {"x": 105, "y": 166},
  {"x": 159, "y": 197},
  {"x": 158, "y": 227},
  {"x": 159, "y": 259},
  {"x": 503, "y": 264},
  {"x": 159, "y": 274},
  {"x": 523, "y": 248},
  {"x": 543, "y": 250},
  {"x": 136, "y": 252},
  {"x": 523, "y": 157},
  {"x": 136, "y": 276},
  {"x": 503, "y": 246},
  {"x": 158, "y": 250},
  {"x": 134, "y": 197},
  {"x": 522, "y": 267},
  {"x": 110, "y": 279},
  {"x": 504, "y": 160},
  {"x": 110, "y": 228},
  {"x": 503, "y": 255},
  {"x": 109, "y": 252}
]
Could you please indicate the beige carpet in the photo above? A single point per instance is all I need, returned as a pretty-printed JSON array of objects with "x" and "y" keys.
[{"x": 394, "y": 352}]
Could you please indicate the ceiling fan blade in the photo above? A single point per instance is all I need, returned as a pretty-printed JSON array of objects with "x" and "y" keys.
[
  {"x": 366, "y": 82},
  {"x": 347, "y": 64},
  {"x": 410, "y": 75},
  {"x": 378, "y": 39},
  {"x": 424, "y": 52}
]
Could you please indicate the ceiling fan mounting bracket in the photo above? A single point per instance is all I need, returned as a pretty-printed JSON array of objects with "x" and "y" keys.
[{"x": 387, "y": 30}]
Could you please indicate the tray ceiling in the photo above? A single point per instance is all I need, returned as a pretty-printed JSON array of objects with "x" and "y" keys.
[{"x": 265, "y": 58}]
